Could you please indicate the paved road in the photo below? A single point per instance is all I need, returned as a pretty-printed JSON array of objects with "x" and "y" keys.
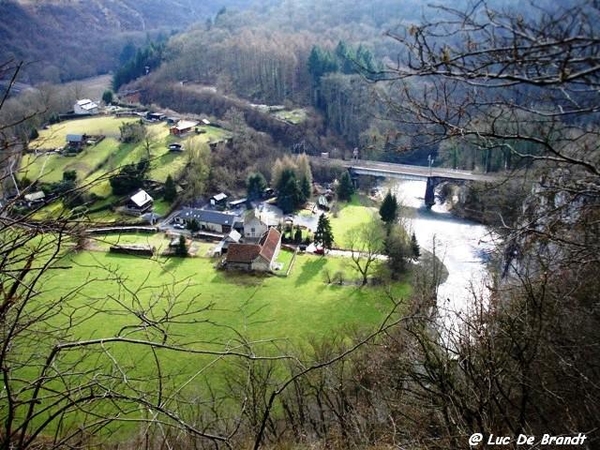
[{"x": 366, "y": 167}]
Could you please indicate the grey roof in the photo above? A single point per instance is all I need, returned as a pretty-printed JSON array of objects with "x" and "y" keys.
[
  {"x": 75, "y": 137},
  {"x": 205, "y": 215}
]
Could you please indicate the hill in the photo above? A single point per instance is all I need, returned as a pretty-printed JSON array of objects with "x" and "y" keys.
[{"x": 64, "y": 40}]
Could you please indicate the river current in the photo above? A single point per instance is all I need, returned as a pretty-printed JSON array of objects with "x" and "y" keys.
[{"x": 463, "y": 246}]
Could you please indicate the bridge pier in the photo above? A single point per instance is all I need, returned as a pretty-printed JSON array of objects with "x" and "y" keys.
[{"x": 432, "y": 182}]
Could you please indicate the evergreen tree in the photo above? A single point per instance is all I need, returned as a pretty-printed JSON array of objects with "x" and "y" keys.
[
  {"x": 170, "y": 189},
  {"x": 323, "y": 234},
  {"x": 388, "y": 211},
  {"x": 129, "y": 178},
  {"x": 107, "y": 97},
  {"x": 345, "y": 188},
  {"x": 397, "y": 249},
  {"x": 193, "y": 225},
  {"x": 298, "y": 235},
  {"x": 255, "y": 186},
  {"x": 182, "y": 248},
  {"x": 414, "y": 246},
  {"x": 289, "y": 194},
  {"x": 305, "y": 188}
]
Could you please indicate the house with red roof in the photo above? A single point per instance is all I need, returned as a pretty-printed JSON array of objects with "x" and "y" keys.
[{"x": 259, "y": 257}]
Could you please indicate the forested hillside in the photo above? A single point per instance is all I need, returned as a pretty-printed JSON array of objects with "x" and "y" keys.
[
  {"x": 65, "y": 40},
  {"x": 325, "y": 55}
]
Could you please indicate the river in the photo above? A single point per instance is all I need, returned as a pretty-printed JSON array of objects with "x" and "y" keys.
[{"x": 463, "y": 246}]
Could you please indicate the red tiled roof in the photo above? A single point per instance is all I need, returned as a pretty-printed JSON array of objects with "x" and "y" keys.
[
  {"x": 269, "y": 243},
  {"x": 242, "y": 253}
]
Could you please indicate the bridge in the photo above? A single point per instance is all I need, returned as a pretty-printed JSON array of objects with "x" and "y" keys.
[{"x": 432, "y": 175}]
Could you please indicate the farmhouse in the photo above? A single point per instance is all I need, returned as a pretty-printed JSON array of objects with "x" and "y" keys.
[
  {"x": 183, "y": 127},
  {"x": 215, "y": 221},
  {"x": 255, "y": 257},
  {"x": 85, "y": 106},
  {"x": 140, "y": 202}
]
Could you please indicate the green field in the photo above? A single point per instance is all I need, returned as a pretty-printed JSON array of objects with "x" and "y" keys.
[
  {"x": 360, "y": 210},
  {"x": 94, "y": 164},
  {"x": 210, "y": 310},
  {"x": 297, "y": 307}
]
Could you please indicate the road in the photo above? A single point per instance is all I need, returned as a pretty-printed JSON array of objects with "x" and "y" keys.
[{"x": 366, "y": 167}]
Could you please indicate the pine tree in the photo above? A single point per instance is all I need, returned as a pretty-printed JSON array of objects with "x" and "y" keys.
[
  {"x": 255, "y": 186},
  {"x": 388, "y": 211},
  {"x": 414, "y": 246},
  {"x": 182, "y": 248},
  {"x": 170, "y": 189},
  {"x": 345, "y": 189},
  {"x": 323, "y": 234}
]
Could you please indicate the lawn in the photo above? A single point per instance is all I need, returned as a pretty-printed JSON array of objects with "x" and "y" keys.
[
  {"x": 295, "y": 308},
  {"x": 358, "y": 211},
  {"x": 55, "y": 135},
  {"x": 209, "y": 309},
  {"x": 95, "y": 162}
]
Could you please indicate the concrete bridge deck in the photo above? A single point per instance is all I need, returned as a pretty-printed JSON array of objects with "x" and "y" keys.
[{"x": 405, "y": 171}]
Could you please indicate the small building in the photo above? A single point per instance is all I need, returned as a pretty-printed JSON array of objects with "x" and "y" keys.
[
  {"x": 176, "y": 147},
  {"x": 218, "y": 199},
  {"x": 35, "y": 198},
  {"x": 76, "y": 142},
  {"x": 259, "y": 257},
  {"x": 155, "y": 117},
  {"x": 133, "y": 97},
  {"x": 323, "y": 203},
  {"x": 140, "y": 202},
  {"x": 234, "y": 204},
  {"x": 86, "y": 106},
  {"x": 233, "y": 237},
  {"x": 183, "y": 127}
]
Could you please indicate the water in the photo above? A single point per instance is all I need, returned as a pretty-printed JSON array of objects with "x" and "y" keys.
[{"x": 463, "y": 246}]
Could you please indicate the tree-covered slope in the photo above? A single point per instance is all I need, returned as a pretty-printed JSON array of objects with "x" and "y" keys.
[{"x": 62, "y": 40}]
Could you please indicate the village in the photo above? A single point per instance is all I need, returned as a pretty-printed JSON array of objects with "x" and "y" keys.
[{"x": 243, "y": 235}]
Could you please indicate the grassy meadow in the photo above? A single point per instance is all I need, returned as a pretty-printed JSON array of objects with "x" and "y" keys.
[
  {"x": 296, "y": 308},
  {"x": 358, "y": 211},
  {"x": 95, "y": 164},
  {"x": 209, "y": 310}
]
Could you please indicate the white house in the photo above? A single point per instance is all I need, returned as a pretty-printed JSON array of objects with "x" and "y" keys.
[
  {"x": 140, "y": 202},
  {"x": 86, "y": 106},
  {"x": 254, "y": 226}
]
